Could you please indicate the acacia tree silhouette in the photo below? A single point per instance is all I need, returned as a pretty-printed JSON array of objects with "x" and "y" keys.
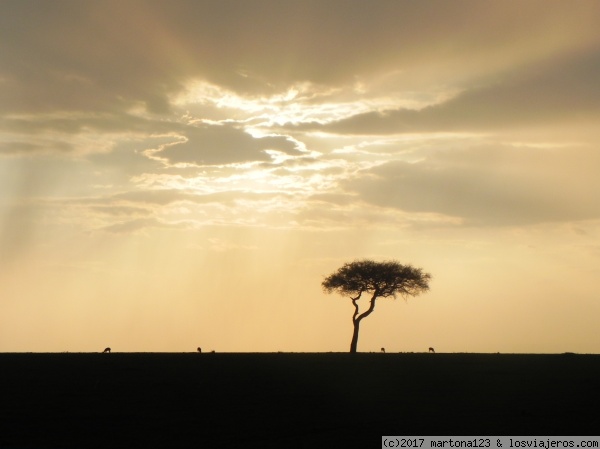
[{"x": 380, "y": 279}]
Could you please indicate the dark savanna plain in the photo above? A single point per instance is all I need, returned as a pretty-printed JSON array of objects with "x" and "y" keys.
[{"x": 214, "y": 400}]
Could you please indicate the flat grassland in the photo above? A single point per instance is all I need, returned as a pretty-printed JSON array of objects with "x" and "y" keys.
[{"x": 288, "y": 400}]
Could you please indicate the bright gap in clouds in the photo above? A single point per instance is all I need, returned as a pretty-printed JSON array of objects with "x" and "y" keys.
[{"x": 301, "y": 103}]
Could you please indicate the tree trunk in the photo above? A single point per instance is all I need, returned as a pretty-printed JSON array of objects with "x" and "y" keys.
[
  {"x": 354, "y": 342},
  {"x": 356, "y": 319}
]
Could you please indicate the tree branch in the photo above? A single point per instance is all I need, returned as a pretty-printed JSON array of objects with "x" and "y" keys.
[
  {"x": 355, "y": 303},
  {"x": 367, "y": 312}
]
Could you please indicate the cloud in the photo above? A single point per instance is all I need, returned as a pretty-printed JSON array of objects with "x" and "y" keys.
[
  {"x": 490, "y": 186},
  {"x": 138, "y": 224},
  {"x": 34, "y": 147},
  {"x": 220, "y": 145},
  {"x": 113, "y": 55},
  {"x": 89, "y": 70},
  {"x": 119, "y": 211},
  {"x": 169, "y": 196},
  {"x": 136, "y": 210},
  {"x": 106, "y": 86},
  {"x": 540, "y": 95},
  {"x": 72, "y": 123},
  {"x": 151, "y": 197}
]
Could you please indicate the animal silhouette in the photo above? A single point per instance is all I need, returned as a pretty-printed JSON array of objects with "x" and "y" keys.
[
  {"x": 199, "y": 349},
  {"x": 432, "y": 350},
  {"x": 383, "y": 350},
  {"x": 106, "y": 350}
]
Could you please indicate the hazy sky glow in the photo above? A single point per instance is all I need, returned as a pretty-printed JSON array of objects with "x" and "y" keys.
[{"x": 185, "y": 173}]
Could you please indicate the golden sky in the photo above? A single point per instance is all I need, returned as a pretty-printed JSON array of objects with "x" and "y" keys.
[{"x": 176, "y": 174}]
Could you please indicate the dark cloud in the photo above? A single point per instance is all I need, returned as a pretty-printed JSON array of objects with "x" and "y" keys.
[
  {"x": 111, "y": 55},
  {"x": 74, "y": 123},
  {"x": 218, "y": 145},
  {"x": 490, "y": 185},
  {"x": 560, "y": 91},
  {"x": 31, "y": 148},
  {"x": 77, "y": 57}
]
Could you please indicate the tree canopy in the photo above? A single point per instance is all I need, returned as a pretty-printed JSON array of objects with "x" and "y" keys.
[{"x": 383, "y": 278}]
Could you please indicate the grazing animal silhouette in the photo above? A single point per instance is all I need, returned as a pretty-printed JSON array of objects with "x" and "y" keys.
[
  {"x": 199, "y": 349},
  {"x": 106, "y": 350},
  {"x": 432, "y": 350},
  {"x": 383, "y": 350}
]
